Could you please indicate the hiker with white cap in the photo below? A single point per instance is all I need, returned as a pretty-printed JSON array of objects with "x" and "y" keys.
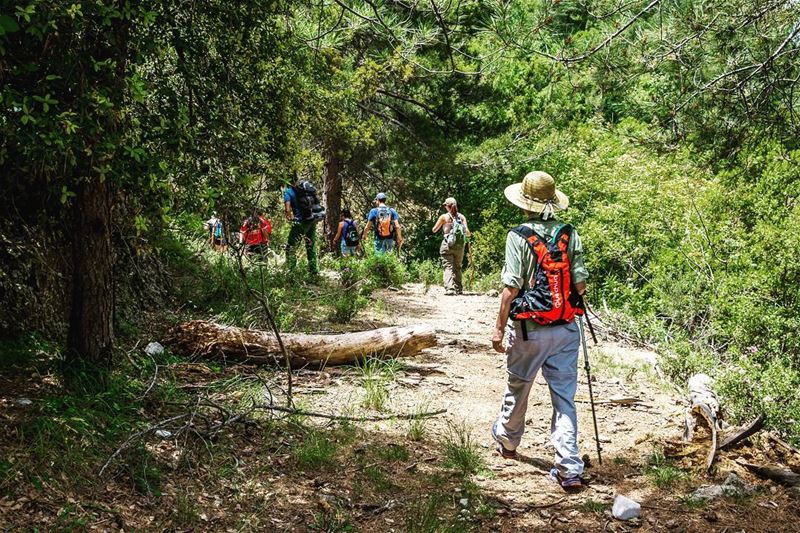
[
  {"x": 386, "y": 222},
  {"x": 544, "y": 277},
  {"x": 455, "y": 233}
]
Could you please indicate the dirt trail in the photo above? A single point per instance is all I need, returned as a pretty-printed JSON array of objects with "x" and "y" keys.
[{"x": 470, "y": 385}]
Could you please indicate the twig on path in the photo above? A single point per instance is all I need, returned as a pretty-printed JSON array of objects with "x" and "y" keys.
[
  {"x": 529, "y": 507},
  {"x": 138, "y": 435},
  {"x": 262, "y": 299},
  {"x": 152, "y": 382},
  {"x": 665, "y": 509},
  {"x": 402, "y": 416}
]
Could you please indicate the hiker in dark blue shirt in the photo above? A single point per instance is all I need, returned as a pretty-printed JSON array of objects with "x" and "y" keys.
[
  {"x": 305, "y": 230},
  {"x": 347, "y": 234}
]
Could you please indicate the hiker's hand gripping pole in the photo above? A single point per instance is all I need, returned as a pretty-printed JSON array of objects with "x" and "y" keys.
[{"x": 588, "y": 370}]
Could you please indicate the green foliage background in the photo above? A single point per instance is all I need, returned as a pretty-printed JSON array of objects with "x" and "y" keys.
[{"x": 672, "y": 126}]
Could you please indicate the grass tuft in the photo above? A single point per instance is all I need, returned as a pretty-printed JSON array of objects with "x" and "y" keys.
[
  {"x": 460, "y": 452},
  {"x": 317, "y": 451},
  {"x": 662, "y": 473}
]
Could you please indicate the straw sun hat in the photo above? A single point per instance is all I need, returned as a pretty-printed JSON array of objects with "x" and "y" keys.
[{"x": 537, "y": 193}]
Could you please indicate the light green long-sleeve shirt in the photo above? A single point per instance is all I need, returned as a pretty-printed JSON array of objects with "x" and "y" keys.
[{"x": 520, "y": 260}]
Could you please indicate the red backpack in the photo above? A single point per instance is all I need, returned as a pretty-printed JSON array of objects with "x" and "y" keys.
[{"x": 550, "y": 299}]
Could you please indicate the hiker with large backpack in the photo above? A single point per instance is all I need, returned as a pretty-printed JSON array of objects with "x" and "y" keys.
[
  {"x": 455, "y": 232},
  {"x": 303, "y": 210},
  {"x": 386, "y": 222},
  {"x": 256, "y": 232},
  {"x": 545, "y": 278},
  {"x": 347, "y": 234}
]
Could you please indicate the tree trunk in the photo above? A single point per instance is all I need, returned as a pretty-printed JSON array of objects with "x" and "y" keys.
[
  {"x": 90, "y": 335},
  {"x": 206, "y": 339},
  {"x": 333, "y": 197}
]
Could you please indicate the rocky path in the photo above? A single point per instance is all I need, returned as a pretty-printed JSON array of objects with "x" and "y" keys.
[{"x": 636, "y": 414}]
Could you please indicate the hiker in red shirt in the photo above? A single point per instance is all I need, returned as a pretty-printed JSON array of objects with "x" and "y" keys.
[{"x": 256, "y": 232}]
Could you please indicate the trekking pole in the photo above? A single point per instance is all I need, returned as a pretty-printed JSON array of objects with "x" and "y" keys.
[{"x": 588, "y": 370}]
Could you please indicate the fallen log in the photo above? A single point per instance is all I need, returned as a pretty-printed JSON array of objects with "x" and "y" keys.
[
  {"x": 784, "y": 476},
  {"x": 202, "y": 339},
  {"x": 783, "y": 444},
  {"x": 743, "y": 433},
  {"x": 704, "y": 407}
]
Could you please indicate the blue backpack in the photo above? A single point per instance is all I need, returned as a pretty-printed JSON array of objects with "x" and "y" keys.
[{"x": 350, "y": 233}]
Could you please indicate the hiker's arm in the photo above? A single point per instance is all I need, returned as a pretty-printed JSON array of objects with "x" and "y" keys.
[
  {"x": 287, "y": 206},
  {"x": 366, "y": 230},
  {"x": 467, "y": 232},
  {"x": 439, "y": 224},
  {"x": 508, "y": 294},
  {"x": 338, "y": 233},
  {"x": 399, "y": 233},
  {"x": 580, "y": 287}
]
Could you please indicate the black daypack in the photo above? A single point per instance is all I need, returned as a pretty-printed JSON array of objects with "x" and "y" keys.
[
  {"x": 351, "y": 236},
  {"x": 308, "y": 201}
]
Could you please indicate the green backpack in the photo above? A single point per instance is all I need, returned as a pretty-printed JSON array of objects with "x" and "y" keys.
[{"x": 458, "y": 235}]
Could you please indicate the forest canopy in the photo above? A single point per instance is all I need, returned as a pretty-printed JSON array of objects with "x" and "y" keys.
[{"x": 673, "y": 126}]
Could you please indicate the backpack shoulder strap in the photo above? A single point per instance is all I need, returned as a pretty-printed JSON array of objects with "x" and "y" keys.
[{"x": 528, "y": 234}]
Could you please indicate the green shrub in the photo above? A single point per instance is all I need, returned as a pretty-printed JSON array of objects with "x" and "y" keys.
[
  {"x": 771, "y": 388},
  {"x": 488, "y": 244},
  {"x": 384, "y": 270},
  {"x": 428, "y": 272},
  {"x": 344, "y": 306}
]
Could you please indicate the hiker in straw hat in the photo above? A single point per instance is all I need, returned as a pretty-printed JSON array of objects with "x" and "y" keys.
[
  {"x": 532, "y": 345},
  {"x": 454, "y": 232}
]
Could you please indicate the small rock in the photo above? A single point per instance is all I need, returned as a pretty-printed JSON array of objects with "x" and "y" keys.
[
  {"x": 153, "y": 349},
  {"x": 24, "y": 402},
  {"x": 710, "y": 492},
  {"x": 492, "y": 293},
  {"x": 463, "y": 502},
  {"x": 544, "y": 513},
  {"x": 711, "y": 516},
  {"x": 733, "y": 486},
  {"x": 163, "y": 433},
  {"x": 625, "y": 508},
  {"x": 671, "y": 524},
  {"x": 573, "y": 513}
]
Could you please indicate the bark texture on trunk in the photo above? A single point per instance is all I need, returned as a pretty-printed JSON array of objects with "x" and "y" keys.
[
  {"x": 206, "y": 339},
  {"x": 704, "y": 408},
  {"x": 90, "y": 336},
  {"x": 333, "y": 197}
]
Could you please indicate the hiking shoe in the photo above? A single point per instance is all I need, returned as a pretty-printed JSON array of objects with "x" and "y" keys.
[
  {"x": 504, "y": 452},
  {"x": 566, "y": 483}
]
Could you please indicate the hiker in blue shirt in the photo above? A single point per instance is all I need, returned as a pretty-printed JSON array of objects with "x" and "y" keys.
[
  {"x": 302, "y": 229},
  {"x": 347, "y": 234},
  {"x": 387, "y": 226}
]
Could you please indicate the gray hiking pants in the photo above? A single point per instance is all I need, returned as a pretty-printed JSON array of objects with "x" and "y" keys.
[
  {"x": 555, "y": 350},
  {"x": 452, "y": 259}
]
